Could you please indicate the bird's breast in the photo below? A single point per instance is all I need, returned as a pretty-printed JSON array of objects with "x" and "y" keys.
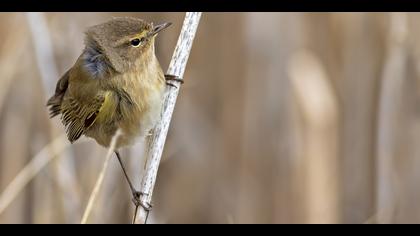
[{"x": 139, "y": 115}]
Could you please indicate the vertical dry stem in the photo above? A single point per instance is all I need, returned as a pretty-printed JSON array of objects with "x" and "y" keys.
[{"x": 177, "y": 68}]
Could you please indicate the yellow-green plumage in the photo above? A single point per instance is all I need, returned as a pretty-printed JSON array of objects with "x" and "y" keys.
[{"x": 112, "y": 85}]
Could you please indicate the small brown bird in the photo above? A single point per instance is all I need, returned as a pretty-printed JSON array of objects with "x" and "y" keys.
[{"x": 117, "y": 82}]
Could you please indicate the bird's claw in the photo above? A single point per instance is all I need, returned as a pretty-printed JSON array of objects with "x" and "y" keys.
[
  {"x": 173, "y": 78},
  {"x": 137, "y": 201}
]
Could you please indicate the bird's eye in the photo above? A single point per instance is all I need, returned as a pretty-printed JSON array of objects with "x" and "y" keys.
[{"x": 135, "y": 42}]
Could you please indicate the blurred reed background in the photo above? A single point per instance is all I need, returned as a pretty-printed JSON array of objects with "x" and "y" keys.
[{"x": 284, "y": 118}]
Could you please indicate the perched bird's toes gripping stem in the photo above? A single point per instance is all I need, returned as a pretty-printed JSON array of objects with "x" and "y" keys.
[
  {"x": 137, "y": 201},
  {"x": 173, "y": 78}
]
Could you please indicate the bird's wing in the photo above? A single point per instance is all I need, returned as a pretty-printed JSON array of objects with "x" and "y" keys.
[
  {"x": 78, "y": 116},
  {"x": 54, "y": 103}
]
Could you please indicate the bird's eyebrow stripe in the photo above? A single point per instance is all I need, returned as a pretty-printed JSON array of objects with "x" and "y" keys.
[{"x": 128, "y": 38}]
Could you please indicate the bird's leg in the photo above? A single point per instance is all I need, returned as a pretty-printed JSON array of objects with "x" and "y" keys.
[
  {"x": 133, "y": 190},
  {"x": 173, "y": 78},
  {"x": 136, "y": 194}
]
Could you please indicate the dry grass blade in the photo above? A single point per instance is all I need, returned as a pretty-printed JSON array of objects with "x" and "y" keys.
[
  {"x": 43, "y": 49},
  {"x": 11, "y": 52},
  {"x": 64, "y": 170},
  {"x": 99, "y": 181},
  {"x": 39, "y": 161},
  {"x": 389, "y": 116}
]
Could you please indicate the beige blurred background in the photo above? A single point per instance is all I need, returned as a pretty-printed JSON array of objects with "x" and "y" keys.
[{"x": 284, "y": 118}]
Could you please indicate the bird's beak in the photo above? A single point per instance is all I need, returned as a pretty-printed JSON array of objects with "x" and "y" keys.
[{"x": 159, "y": 28}]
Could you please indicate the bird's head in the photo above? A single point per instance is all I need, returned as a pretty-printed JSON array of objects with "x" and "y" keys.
[{"x": 117, "y": 45}]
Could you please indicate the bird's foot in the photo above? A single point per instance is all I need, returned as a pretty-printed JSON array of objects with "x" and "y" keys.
[
  {"x": 137, "y": 201},
  {"x": 173, "y": 78}
]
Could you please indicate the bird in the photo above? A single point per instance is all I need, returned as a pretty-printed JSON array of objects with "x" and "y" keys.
[{"x": 116, "y": 83}]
